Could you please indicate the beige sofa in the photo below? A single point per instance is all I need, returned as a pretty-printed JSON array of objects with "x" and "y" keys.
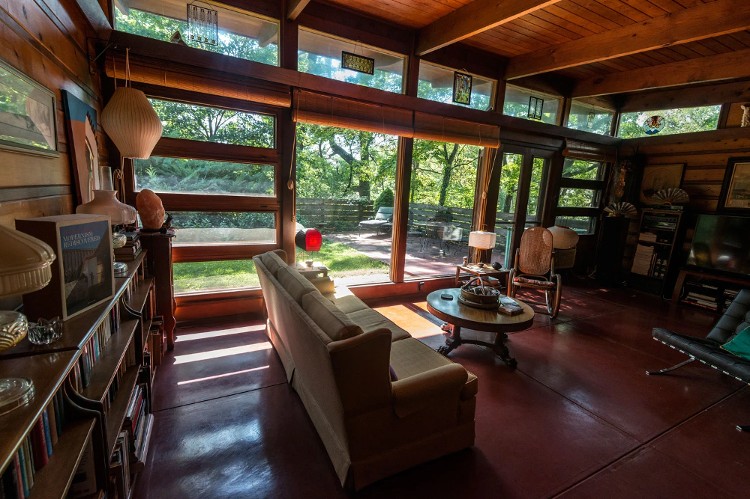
[{"x": 380, "y": 400}]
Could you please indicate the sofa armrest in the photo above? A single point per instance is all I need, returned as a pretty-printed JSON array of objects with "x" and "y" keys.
[{"x": 440, "y": 385}]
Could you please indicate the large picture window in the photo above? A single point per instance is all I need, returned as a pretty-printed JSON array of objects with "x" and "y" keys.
[
  {"x": 436, "y": 83},
  {"x": 580, "y": 199},
  {"x": 668, "y": 121}
]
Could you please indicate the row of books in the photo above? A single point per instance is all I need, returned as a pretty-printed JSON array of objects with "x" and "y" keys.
[
  {"x": 119, "y": 468},
  {"x": 94, "y": 348},
  {"x": 35, "y": 451}
]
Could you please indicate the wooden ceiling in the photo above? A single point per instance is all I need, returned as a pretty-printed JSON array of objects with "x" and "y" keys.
[{"x": 591, "y": 47}]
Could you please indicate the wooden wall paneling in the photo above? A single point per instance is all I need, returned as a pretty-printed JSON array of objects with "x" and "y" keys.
[
  {"x": 695, "y": 174},
  {"x": 29, "y": 208},
  {"x": 20, "y": 169}
]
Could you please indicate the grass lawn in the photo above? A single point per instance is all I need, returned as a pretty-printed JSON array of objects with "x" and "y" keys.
[{"x": 341, "y": 259}]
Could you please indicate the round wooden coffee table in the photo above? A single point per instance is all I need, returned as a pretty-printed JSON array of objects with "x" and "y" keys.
[{"x": 458, "y": 315}]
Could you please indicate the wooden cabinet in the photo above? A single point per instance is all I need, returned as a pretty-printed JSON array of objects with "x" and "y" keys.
[
  {"x": 653, "y": 267},
  {"x": 63, "y": 440},
  {"x": 709, "y": 290}
]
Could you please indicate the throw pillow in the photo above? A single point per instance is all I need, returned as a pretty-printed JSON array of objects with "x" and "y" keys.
[{"x": 740, "y": 344}]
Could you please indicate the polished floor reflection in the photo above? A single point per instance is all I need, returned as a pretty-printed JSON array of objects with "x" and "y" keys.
[{"x": 577, "y": 418}]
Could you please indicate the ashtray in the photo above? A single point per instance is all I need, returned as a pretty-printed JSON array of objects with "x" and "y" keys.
[{"x": 45, "y": 331}]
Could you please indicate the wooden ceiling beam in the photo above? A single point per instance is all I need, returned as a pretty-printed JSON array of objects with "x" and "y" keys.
[
  {"x": 697, "y": 23},
  {"x": 700, "y": 95},
  {"x": 295, "y": 8},
  {"x": 728, "y": 66},
  {"x": 474, "y": 18}
]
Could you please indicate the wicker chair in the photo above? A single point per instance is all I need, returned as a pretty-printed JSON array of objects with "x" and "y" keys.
[{"x": 534, "y": 268}]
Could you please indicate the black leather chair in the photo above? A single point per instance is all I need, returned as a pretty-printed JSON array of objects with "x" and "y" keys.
[{"x": 708, "y": 350}]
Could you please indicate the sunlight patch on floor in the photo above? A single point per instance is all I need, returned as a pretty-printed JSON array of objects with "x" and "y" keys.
[
  {"x": 181, "y": 337},
  {"x": 218, "y": 376},
  {"x": 224, "y": 352}
]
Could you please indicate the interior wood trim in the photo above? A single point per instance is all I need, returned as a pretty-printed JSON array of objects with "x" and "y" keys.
[
  {"x": 474, "y": 18},
  {"x": 295, "y": 8},
  {"x": 214, "y": 251},
  {"x": 696, "y": 23},
  {"x": 33, "y": 192},
  {"x": 196, "y": 149},
  {"x": 702, "y": 95},
  {"x": 96, "y": 17},
  {"x": 218, "y": 202},
  {"x": 702, "y": 69}
]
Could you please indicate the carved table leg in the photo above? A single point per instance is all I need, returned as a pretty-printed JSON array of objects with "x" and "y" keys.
[
  {"x": 452, "y": 339},
  {"x": 501, "y": 350}
]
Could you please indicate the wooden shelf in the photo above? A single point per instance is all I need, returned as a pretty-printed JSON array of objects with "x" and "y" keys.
[
  {"x": 55, "y": 478},
  {"x": 105, "y": 369},
  {"x": 48, "y": 373},
  {"x": 119, "y": 406}
]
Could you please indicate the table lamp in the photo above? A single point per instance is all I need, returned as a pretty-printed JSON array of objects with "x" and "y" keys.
[
  {"x": 105, "y": 203},
  {"x": 25, "y": 266},
  {"x": 309, "y": 240},
  {"x": 482, "y": 240}
]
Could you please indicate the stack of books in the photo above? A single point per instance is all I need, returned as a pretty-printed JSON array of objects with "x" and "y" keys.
[
  {"x": 509, "y": 306},
  {"x": 132, "y": 248}
]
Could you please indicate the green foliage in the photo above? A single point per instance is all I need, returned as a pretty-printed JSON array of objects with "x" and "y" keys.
[
  {"x": 343, "y": 259},
  {"x": 160, "y": 27},
  {"x": 384, "y": 199},
  {"x": 162, "y": 174},
  {"x": 232, "y": 220},
  {"x": 684, "y": 120},
  {"x": 444, "y": 174},
  {"x": 216, "y": 275}
]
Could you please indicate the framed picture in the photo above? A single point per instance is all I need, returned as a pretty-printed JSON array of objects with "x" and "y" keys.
[
  {"x": 461, "y": 88},
  {"x": 27, "y": 113},
  {"x": 658, "y": 177},
  {"x": 82, "y": 273},
  {"x": 735, "y": 191},
  {"x": 80, "y": 124},
  {"x": 358, "y": 63}
]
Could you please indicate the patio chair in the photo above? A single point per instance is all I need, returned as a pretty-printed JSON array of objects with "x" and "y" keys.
[
  {"x": 534, "y": 268},
  {"x": 383, "y": 221},
  {"x": 451, "y": 238}
]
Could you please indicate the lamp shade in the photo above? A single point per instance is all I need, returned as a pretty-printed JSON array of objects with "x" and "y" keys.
[
  {"x": 131, "y": 123},
  {"x": 309, "y": 239},
  {"x": 25, "y": 263},
  {"x": 106, "y": 203},
  {"x": 563, "y": 237},
  {"x": 481, "y": 239}
]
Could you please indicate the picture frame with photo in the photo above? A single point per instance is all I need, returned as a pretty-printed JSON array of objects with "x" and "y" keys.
[
  {"x": 735, "y": 190},
  {"x": 658, "y": 177},
  {"x": 462, "y": 88},
  {"x": 27, "y": 114}
]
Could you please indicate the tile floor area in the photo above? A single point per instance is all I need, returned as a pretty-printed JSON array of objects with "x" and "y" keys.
[{"x": 578, "y": 418}]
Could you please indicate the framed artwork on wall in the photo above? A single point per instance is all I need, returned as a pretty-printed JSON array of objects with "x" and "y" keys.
[
  {"x": 80, "y": 122},
  {"x": 658, "y": 177},
  {"x": 27, "y": 113},
  {"x": 735, "y": 191}
]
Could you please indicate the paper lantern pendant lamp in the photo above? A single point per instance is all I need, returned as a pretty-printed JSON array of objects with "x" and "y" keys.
[{"x": 131, "y": 123}]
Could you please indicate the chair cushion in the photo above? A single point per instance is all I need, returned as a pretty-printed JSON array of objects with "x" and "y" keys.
[
  {"x": 295, "y": 283},
  {"x": 537, "y": 283},
  {"x": 334, "y": 323},
  {"x": 739, "y": 344},
  {"x": 370, "y": 320},
  {"x": 272, "y": 261}
]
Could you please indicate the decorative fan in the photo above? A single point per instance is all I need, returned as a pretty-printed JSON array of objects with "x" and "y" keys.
[
  {"x": 621, "y": 209},
  {"x": 672, "y": 195}
]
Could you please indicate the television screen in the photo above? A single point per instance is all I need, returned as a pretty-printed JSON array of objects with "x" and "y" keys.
[{"x": 721, "y": 243}]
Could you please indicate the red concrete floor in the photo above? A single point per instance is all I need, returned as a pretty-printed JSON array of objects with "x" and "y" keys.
[{"x": 578, "y": 418}]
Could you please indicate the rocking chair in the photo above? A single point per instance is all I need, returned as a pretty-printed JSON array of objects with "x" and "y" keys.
[{"x": 534, "y": 268}]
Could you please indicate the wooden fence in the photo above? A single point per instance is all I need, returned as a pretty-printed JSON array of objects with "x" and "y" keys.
[{"x": 345, "y": 215}]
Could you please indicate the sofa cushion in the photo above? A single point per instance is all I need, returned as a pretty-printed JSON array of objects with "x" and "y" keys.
[
  {"x": 739, "y": 345},
  {"x": 294, "y": 283},
  {"x": 272, "y": 261},
  {"x": 370, "y": 320},
  {"x": 334, "y": 323},
  {"x": 346, "y": 301},
  {"x": 410, "y": 357}
]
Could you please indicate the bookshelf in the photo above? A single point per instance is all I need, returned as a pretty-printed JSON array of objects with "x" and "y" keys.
[
  {"x": 658, "y": 238},
  {"x": 85, "y": 384},
  {"x": 704, "y": 289}
]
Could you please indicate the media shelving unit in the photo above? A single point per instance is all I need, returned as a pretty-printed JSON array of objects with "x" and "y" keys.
[
  {"x": 706, "y": 289},
  {"x": 658, "y": 240},
  {"x": 89, "y": 376}
]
